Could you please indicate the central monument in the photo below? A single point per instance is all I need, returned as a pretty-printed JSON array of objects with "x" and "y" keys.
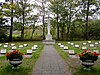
[{"x": 48, "y": 38}]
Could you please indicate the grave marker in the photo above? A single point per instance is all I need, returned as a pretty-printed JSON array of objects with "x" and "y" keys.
[
  {"x": 89, "y": 42},
  {"x": 12, "y": 44},
  {"x": 96, "y": 43},
  {"x": 77, "y": 46},
  {"x": 68, "y": 42},
  {"x": 84, "y": 43},
  {"x": 5, "y": 46},
  {"x": 97, "y": 51},
  {"x": 84, "y": 47},
  {"x": 59, "y": 44},
  {"x": 91, "y": 45},
  {"x": 99, "y": 42},
  {"x": 6, "y": 43},
  {"x": 14, "y": 48},
  {"x": 29, "y": 52},
  {"x": 33, "y": 48},
  {"x": 36, "y": 46},
  {"x": 20, "y": 46},
  {"x": 3, "y": 51},
  {"x": 71, "y": 44},
  {"x": 71, "y": 52},
  {"x": 65, "y": 47},
  {"x": 0, "y": 44},
  {"x": 25, "y": 45}
]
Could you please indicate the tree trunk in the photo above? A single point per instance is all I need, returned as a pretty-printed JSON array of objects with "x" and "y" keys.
[
  {"x": 33, "y": 30},
  {"x": 22, "y": 32},
  {"x": 69, "y": 23},
  {"x": 57, "y": 28},
  {"x": 87, "y": 14},
  {"x": 11, "y": 28},
  {"x": 43, "y": 28},
  {"x": 43, "y": 20},
  {"x": 62, "y": 32}
]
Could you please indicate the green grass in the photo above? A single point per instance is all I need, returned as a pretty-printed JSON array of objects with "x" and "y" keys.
[
  {"x": 61, "y": 52},
  {"x": 27, "y": 65},
  {"x": 74, "y": 64}
]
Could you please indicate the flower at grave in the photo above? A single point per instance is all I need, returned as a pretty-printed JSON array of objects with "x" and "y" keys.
[
  {"x": 88, "y": 55},
  {"x": 14, "y": 55}
]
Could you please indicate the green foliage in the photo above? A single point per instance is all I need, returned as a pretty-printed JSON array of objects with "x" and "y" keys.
[
  {"x": 27, "y": 65},
  {"x": 94, "y": 30},
  {"x": 3, "y": 35}
]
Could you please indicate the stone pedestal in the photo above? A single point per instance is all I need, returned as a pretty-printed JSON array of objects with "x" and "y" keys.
[
  {"x": 48, "y": 37},
  {"x": 48, "y": 42}
]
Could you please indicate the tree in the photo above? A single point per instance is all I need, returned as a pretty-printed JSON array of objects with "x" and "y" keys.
[
  {"x": 87, "y": 12},
  {"x": 22, "y": 13}
]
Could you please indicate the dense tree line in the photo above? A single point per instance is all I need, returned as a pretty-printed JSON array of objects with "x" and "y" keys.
[{"x": 72, "y": 19}]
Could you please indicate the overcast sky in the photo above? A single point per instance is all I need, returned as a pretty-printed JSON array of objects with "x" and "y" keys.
[{"x": 2, "y": 0}]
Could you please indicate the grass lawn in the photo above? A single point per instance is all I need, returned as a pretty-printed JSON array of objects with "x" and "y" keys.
[
  {"x": 28, "y": 63},
  {"x": 75, "y": 65}
]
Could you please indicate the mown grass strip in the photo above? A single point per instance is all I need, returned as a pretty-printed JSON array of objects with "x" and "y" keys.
[
  {"x": 27, "y": 65},
  {"x": 61, "y": 52},
  {"x": 74, "y": 64}
]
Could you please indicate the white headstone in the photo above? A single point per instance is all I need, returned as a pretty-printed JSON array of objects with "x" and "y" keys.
[
  {"x": 12, "y": 44},
  {"x": 29, "y": 52},
  {"x": 96, "y": 43},
  {"x": 77, "y": 46},
  {"x": 89, "y": 42},
  {"x": 84, "y": 47},
  {"x": 91, "y": 45},
  {"x": 5, "y": 46},
  {"x": 10, "y": 50},
  {"x": 71, "y": 44},
  {"x": 71, "y": 52},
  {"x": 6, "y": 43},
  {"x": 65, "y": 47},
  {"x": 99, "y": 42},
  {"x": 20, "y": 46},
  {"x": 97, "y": 51},
  {"x": 61, "y": 46},
  {"x": 25, "y": 45},
  {"x": 14, "y": 48},
  {"x": 84, "y": 43},
  {"x": 36, "y": 46},
  {"x": 3, "y": 51},
  {"x": 68, "y": 42},
  {"x": 0, "y": 44}
]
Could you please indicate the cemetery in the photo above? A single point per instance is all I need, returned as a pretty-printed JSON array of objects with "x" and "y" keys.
[{"x": 49, "y": 37}]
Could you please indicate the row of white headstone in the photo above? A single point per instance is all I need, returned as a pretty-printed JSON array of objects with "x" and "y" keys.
[
  {"x": 84, "y": 47},
  {"x": 66, "y": 49},
  {"x": 72, "y": 52},
  {"x": 13, "y": 45},
  {"x": 33, "y": 49}
]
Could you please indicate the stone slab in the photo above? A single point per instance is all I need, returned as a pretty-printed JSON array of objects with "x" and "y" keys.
[{"x": 48, "y": 42}]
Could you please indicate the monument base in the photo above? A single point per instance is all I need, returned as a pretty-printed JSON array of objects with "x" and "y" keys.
[
  {"x": 48, "y": 42},
  {"x": 48, "y": 37}
]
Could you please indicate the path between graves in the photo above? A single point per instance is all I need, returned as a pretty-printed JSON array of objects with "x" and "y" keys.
[{"x": 50, "y": 63}]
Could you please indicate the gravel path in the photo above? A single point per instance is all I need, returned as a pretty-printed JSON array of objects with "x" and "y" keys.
[{"x": 50, "y": 63}]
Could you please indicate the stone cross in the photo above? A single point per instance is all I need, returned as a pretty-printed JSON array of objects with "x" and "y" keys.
[
  {"x": 48, "y": 36},
  {"x": 48, "y": 24}
]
